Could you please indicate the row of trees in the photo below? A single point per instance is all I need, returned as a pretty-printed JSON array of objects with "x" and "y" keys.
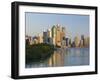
[{"x": 38, "y": 52}]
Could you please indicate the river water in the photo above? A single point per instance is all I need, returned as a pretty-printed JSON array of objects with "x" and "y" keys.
[{"x": 64, "y": 57}]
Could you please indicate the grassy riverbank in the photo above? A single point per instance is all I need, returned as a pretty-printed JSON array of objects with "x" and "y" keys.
[{"x": 38, "y": 52}]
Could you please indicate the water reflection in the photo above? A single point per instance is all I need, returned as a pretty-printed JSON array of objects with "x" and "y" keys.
[
  {"x": 57, "y": 59},
  {"x": 64, "y": 57}
]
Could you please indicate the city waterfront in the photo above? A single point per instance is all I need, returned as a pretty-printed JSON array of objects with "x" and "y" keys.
[
  {"x": 64, "y": 57},
  {"x": 54, "y": 40}
]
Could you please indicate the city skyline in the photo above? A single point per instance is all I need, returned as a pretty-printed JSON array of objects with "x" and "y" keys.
[
  {"x": 75, "y": 24},
  {"x": 56, "y": 40},
  {"x": 56, "y": 36}
]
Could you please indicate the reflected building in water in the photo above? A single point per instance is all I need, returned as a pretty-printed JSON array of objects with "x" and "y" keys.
[
  {"x": 57, "y": 59},
  {"x": 68, "y": 57}
]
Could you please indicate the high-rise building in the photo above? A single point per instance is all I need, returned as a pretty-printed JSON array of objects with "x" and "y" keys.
[
  {"x": 76, "y": 41},
  {"x": 35, "y": 40},
  {"x": 63, "y": 37},
  {"x": 58, "y": 36},
  {"x": 63, "y": 32},
  {"x": 49, "y": 33},
  {"x": 40, "y": 38},
  {"x": 54, "y": 34},
  {"x": 50, "y": 40},
  {"x": 31, "y": 40},
  {"x": 27, "y": 39},
  {"x": 86, "y": 42},
  {"x": 67, "y": 42},
  {"x": 83, "y": 40},
  {"x": 70, "y": 42},
  {"x": 45, "y": 37},
  {"x": 81, "y": 43}
]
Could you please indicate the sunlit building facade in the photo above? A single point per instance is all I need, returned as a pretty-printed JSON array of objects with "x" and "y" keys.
[
  {"x": 58, "y": 36},
  {"x": 50, "y": 40},
  {"x": 76, "y": 41},
  {"x": 53, "y": 30},
  {"x": 40, "y": 38}
]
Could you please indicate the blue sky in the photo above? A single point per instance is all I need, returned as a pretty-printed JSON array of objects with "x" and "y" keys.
[{"x": 74, "y": 24}]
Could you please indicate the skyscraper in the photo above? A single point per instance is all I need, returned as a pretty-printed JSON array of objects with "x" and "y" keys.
[
  {"x": 50, "y": 40},
  {"x": 40, "y": 38},
  {"x": 27, "y": 39},
  {"x": 83, "y": 40},
  {"x": 35, "y": 40},
  {"x": 67, "y": 42},
  {"x": 45, "y": 37},
  {"x": 58, "y": 36},
  {"x": 63, "y": 39},
  {"x": 86, "y": 42},
  {"x": 54, "y": 34},
  {"x": 70, "y": 43},
  {"x": 81, "y": 43},
  {"x": 76, "y": 41}
]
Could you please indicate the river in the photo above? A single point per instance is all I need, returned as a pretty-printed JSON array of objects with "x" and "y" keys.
[{"x": 64, "y": 57}]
